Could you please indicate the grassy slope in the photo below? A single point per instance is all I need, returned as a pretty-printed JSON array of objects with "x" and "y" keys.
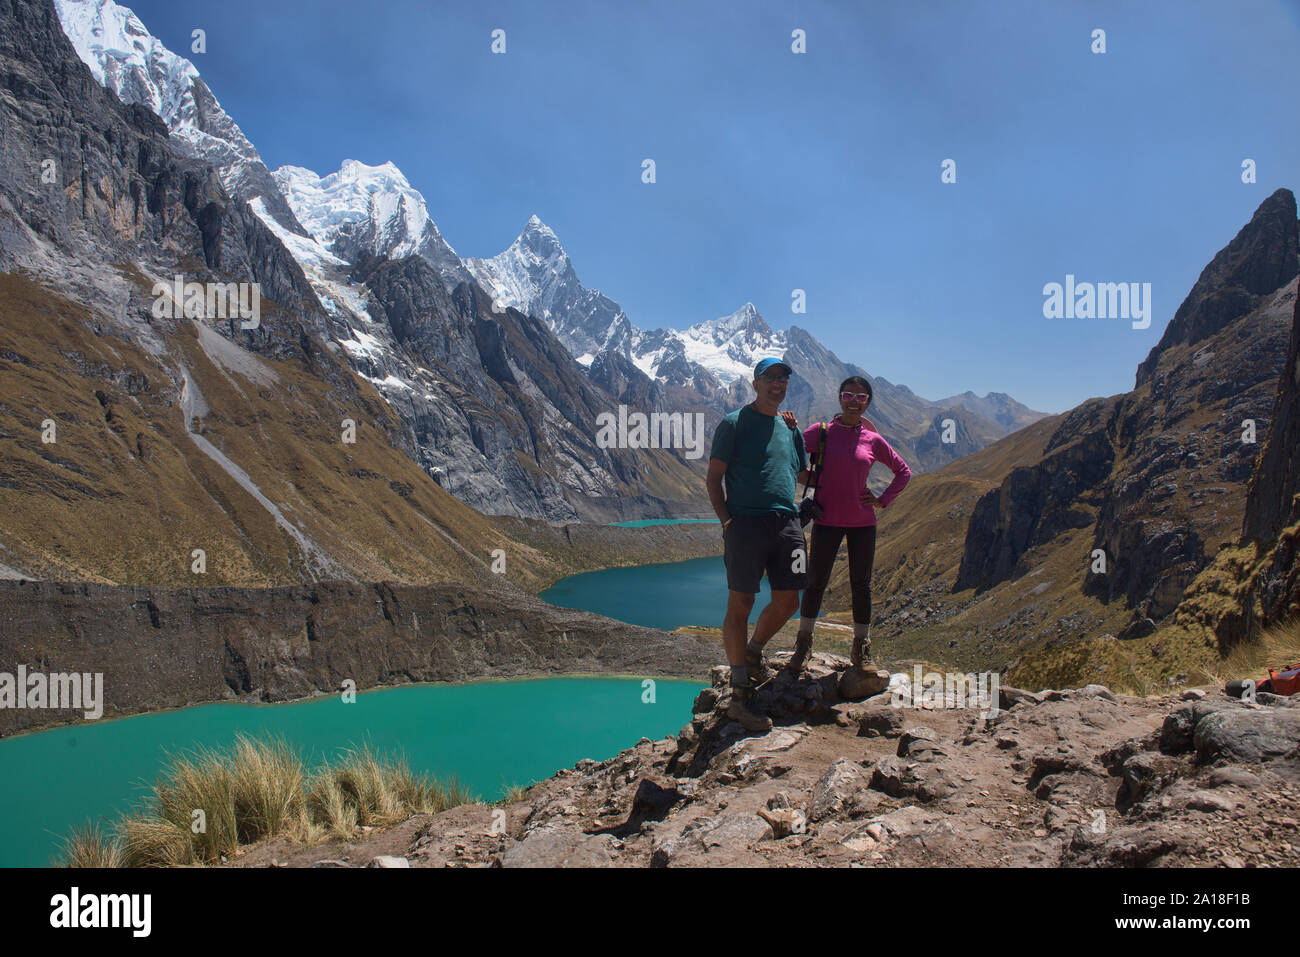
[{"x": 124, "y": 494}]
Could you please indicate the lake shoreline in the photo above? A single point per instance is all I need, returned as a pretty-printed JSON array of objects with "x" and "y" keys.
[{"x": 162, "y": 649}]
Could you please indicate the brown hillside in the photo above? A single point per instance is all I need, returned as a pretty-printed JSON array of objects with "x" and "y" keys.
[{"x": 125, "y": 494}]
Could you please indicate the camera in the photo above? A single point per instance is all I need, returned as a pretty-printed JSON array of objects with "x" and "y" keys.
[{"x": 809, "y": 510}]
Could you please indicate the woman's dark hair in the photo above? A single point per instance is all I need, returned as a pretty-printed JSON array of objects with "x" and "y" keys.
[{"x": 866, "y": 386}]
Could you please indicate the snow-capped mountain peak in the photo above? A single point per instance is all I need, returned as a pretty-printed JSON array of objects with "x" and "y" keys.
[
  {"x": 125, "y": 58},
  {"x": 730, "y": 346},
  {"x": 363, "y": 208},
  {"x": 537, "y": 251},
  {"x": 745, "y": 321},
  {"x": 535, "y": 275},
  {"x": 375, "y": 200}
]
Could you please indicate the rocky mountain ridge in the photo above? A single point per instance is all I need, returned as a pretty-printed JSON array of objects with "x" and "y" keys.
[
  {"x": 1066, "y": 552},
  {"x": 708, "y": 365},
  {"x": 125, "y": 58},
  {"x": 1255, "y": 584},
  {"x": 1180, "y": 430}
]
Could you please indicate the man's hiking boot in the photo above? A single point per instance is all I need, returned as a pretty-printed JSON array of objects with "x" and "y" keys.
[
  {"x": 739, "y": 710},
  {"x": 759, "y": 673},
  {"x": 798, "y": 662}
]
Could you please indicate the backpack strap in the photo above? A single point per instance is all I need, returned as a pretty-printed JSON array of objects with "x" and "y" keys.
[{"x": 815, "y": 467}]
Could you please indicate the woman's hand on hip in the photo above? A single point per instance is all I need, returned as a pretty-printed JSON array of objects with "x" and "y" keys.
[{"x": 868, "y": 499}]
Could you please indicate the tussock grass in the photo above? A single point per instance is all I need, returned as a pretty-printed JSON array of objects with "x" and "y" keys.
[
  {"x": 89, "y": 846},
  {"x": 364, "y": 791},
  {"x": 514, "y": 794},
  {"x": 255, "y": 790},
  {"x": 1275, "y": 648}
]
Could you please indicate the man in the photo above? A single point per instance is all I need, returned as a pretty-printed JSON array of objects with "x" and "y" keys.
[{"x": 760, "y": 456}]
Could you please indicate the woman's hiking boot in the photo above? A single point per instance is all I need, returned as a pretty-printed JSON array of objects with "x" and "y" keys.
[
  {"x": 798, "y": 662},
  {"x": 739, "y": 710},
  {"x": 864, "y": 678},
  {"x": 860, "y": 655}
]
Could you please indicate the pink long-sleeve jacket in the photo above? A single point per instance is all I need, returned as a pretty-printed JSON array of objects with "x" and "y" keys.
[{"x": 850, "y": 453}]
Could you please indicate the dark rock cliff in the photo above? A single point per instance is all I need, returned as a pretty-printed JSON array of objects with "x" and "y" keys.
[
  {"x": 163, "y": 648},
  {"x": 1271, "y": 503}
]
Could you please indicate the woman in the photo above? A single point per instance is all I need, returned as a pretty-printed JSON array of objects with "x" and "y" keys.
[{"x": 848, "y": 511}]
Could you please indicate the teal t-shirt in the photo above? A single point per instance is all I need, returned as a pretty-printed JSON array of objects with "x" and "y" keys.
[{"x": 764, "y": 457}]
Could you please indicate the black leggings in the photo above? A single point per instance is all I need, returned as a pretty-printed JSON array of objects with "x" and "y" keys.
[{"x": 862, "y": 555}]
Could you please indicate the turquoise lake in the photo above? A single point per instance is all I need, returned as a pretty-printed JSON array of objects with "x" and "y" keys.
[
  {"x": 487, "y": 734},
  {"x": 663, "y": 596}
]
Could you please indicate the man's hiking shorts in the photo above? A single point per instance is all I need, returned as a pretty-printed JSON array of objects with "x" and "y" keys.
[{"x": 772, "y": 543}]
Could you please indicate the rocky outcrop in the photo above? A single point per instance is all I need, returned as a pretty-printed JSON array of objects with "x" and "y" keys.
[
  {"x": 165, "y": 648},
  {"x": 1257, "y": 585},
  {"x": 1075, "y": 777},
  {"x": 1261, "y": 259},
  {"x": 1271, "y": 504}
]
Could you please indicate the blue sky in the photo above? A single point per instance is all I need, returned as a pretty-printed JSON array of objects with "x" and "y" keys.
[{"x": 818, "y": 171}]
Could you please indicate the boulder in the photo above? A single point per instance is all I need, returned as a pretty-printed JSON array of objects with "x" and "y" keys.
[
  {"x": 920, "y": 744},
  {"x": 858, "y": 685},
  {"x": 1212, "y": 803},
  {"x": 837, "y": 788},
  {"x": 880, "y": 718},
  {"x": 1247, "y": 735},
  {"x": 784, "y": 821},
  {"x": 726, "y": 830},
  {"x": 1180, "y": 724},
  {"x": 898, "y": 777},
  {"x": 654, "y": 799},
  {"x": 1008, "y": 698}
]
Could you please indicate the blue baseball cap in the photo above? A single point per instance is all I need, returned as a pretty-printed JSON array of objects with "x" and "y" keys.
[{"x": 765, "y": 364}]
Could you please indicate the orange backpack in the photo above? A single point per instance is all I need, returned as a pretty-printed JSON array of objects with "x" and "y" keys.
[{"x": 1286, "y": 681}]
